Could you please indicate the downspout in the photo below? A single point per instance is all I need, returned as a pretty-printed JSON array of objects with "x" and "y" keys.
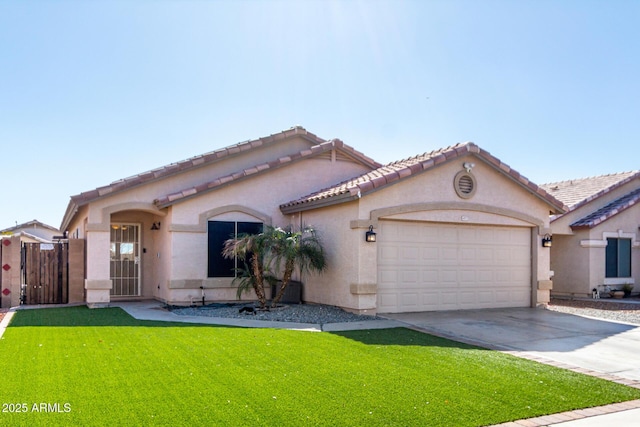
[{"x": 300, "y": 275}]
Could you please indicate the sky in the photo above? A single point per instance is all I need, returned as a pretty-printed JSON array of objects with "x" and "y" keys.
[{"x": 95, "y": 91}]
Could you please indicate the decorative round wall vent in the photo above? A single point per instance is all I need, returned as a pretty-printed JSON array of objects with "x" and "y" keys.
[{"x": 465, "y": 184}]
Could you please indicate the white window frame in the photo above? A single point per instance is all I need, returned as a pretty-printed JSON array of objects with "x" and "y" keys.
[{"x": 635, "y": 244}]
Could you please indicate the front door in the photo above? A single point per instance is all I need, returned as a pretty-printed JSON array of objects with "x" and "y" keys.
[{"x": 125, "y": 259}]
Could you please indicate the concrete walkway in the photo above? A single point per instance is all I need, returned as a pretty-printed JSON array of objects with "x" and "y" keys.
[{"x": 153, "y": 310}]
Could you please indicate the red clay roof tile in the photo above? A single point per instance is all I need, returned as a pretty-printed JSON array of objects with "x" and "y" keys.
[
  {"x": 403, "y": 169},
  {"x": 315, "y": 150},
  {"x": 199, "y": 161}
]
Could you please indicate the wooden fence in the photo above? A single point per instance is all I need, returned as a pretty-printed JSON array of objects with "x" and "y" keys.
[{"x": 45, "y": 270}]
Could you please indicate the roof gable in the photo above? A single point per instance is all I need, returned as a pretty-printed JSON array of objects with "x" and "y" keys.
[
  {"x": 317, "y": 146},
  {"x": 32, "y": 230},
  {"x": 343, "y": 151},
  {"x": 192, "y": 163},
  {"x": 35, "y": 224},
  {"x": 402, "y": 169},
  {"x": 603, "y": 214}
]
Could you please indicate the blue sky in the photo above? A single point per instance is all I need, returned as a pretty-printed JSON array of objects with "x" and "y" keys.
[{"x": 95, "y": 91}]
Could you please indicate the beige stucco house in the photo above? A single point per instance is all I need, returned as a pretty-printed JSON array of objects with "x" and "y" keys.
[
  {"x": 596, "y": 243},
  {"x": 159, "y": 234},
  {"x": 455, "y": 228}
]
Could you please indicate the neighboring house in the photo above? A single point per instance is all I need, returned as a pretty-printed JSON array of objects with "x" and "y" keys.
[
  {"x": 455, "y": 228},
  {"x": 596, "y": 243},
  {"x": 32, "y": 232}
]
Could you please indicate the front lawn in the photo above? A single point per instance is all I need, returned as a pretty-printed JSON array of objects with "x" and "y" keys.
[{"x": 75, "y": 366}]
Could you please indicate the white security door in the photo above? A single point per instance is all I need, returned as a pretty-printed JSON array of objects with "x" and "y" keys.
[
  {"x": 125, "y": 259},
  {"x": 438, "y": 266}
]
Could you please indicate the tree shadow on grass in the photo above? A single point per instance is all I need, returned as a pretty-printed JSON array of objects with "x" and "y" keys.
[
  {"x": 402, "y": 337},
  {"x": 84, "y": 316}
]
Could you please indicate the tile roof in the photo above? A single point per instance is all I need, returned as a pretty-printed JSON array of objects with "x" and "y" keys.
[
  {"x": 345, "y": 151},
  {"x": 191, "y": 163},
  {"x": 396, "y": 171},
  {"x": 619, "y": 205},
  {"x": 23, "y": 233},
  {"x": 31, "y": 224},
  {"x": 577, "y": 192},
  {"x": 209, "y": 158}
]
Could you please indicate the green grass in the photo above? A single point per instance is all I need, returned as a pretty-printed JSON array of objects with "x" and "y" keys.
[{"x": 111, "y": 369}]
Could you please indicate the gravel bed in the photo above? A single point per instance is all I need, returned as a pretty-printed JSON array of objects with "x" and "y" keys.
[
  {"x": 298, "y": 313},
  {"x": 627, "y": 312}
]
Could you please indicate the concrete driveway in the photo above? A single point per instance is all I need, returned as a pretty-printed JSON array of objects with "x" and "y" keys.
[{"x": 606, "y": 347}]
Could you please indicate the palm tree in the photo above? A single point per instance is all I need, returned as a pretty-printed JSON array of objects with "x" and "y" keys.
[
  {"x": 251, "y": 249},
  {"x": 301, "y": 249},
  {"x": 274, "y": 247}
]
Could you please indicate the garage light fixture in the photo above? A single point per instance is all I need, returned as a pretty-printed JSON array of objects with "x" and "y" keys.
[
  {"x": 370, "y": 236},
  {"x": 468, "y": 166},
  {"x": 546, "y": 241}
]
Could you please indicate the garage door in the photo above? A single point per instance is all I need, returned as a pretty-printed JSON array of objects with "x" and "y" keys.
[{"x": 429, "y": 266}]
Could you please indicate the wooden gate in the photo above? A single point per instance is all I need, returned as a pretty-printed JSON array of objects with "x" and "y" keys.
[{"x": 45, "y": 270}]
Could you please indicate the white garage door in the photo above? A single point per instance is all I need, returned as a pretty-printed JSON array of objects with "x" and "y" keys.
[{"x": 429, "y": 266}]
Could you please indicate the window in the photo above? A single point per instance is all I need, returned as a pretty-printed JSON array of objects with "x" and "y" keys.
[
  {"x": 218, "y": 233},
  {"x": 618, "y": 257}
]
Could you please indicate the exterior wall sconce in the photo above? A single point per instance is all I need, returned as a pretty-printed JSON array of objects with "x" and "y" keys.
[
  {"x": 546, "y": 241},
  {"x": 370, "y": 236},
  {"x": 156, "y": 226}
]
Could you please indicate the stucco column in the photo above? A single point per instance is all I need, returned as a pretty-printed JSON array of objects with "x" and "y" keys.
[
  {"x": 365, "y": 288},
  {"x": 541, "y": 259},
  {"x": 98, "y": 282},
  {"x": 76, "y": 270}
]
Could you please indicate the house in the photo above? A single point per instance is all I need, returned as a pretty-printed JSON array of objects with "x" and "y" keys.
[
  {"x": 159, "y": 234},
  {"x": 596, "y": 243},
  {"x": 455, "y": 228},
  {"x": 32, "y": 232}
]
